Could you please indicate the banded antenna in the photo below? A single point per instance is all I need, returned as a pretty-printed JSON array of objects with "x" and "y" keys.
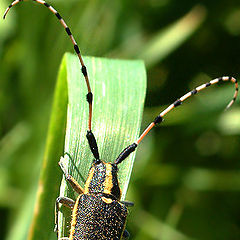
[
  {"x": 125, "y": 153},
  {"x": 89, "y": 95},
  {"x": 90, "y": 136}
]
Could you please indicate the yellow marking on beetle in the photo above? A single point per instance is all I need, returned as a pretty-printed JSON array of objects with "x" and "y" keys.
[
  {"x": 89, "y": 179},
  {"x": 107, "y": 200},
  {"x": 108, "y": 184},
  {"x": 74, "y": 218}
]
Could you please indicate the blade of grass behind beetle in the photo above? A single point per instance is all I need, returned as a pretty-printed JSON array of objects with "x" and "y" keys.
[{"x": 118, "y": 88}]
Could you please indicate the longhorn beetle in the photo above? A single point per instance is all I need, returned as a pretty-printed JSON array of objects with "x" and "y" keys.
[{"x": 98, "y": 212}]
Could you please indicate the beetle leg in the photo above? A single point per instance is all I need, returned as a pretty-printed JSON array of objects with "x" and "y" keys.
[
  {"x": 128, "y": 203},
  {"x": 126, "y": 235},
  {"x": 68, "y": 202},
  {"x": 74, "y": 184}
]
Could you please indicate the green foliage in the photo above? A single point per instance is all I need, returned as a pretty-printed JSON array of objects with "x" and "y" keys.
[
  {"x": 185, "y": 178},
  {"x": 115, "y": 123}
]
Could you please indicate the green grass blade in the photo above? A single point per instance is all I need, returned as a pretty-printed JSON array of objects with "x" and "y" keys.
[
  {"x": 43, "y": 219},
  {"x": 119, "y": 90},
  {"x": 166, "y": 41}
]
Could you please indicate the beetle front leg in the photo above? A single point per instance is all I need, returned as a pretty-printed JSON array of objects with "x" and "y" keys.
[
  {"x": 74, "y": 184},
  {"x": 68, "y": 202}
]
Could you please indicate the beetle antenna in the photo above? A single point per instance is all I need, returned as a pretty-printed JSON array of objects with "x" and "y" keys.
[
  {"x": 126, "y": 152},
  {"x": 89, "y": 95}
]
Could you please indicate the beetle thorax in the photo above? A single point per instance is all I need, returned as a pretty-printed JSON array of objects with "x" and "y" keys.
[{"x": 102, "y": 178}]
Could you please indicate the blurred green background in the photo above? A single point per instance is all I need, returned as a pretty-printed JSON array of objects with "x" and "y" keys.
[{"x": 186, "y": 178}]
